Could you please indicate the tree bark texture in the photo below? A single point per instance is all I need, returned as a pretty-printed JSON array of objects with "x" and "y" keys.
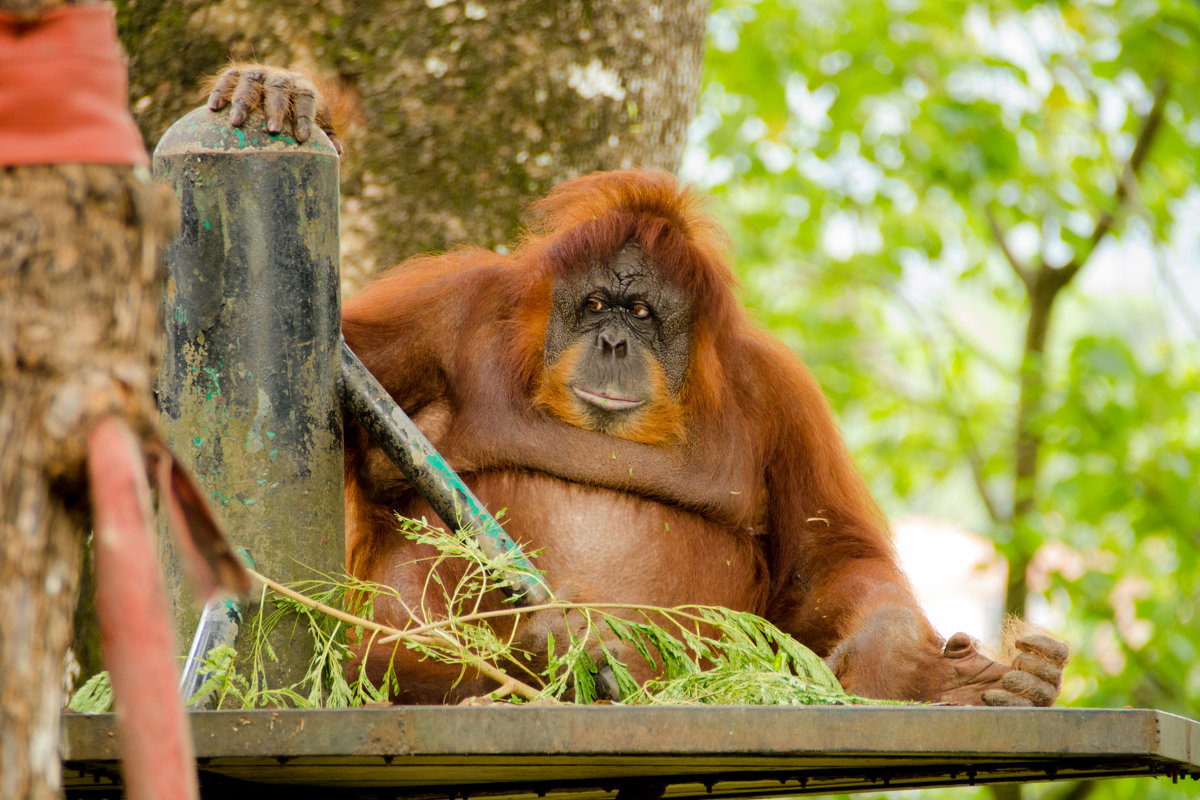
[
  {"x": 80, "y": 334},
  {"x": 467, "y": 109}
]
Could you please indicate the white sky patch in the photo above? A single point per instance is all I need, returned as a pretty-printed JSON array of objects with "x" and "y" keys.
[
  {"x": 809, "y": 108},
  {"x": 1023, "y": 40},
  {"x": 595, "y": 80},
  {"x": 886, "y": 118},
  {"x": 838, "y": 237},
  {"x": 723, "y": 27},
  {"x": 752, "y": 129},
  {"x": 774, "y": 156},
  {"x": 958, "y": 575}
]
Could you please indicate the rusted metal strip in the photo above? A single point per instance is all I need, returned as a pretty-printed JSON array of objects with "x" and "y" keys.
[{"x": 584, "y": 752}]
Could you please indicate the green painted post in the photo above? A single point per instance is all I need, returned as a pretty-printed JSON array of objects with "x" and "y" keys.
[{"x": 249, "y": 382}]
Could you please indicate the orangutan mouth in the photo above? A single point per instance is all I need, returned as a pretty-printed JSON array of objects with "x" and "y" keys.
[{"x": 609, "y": 402}]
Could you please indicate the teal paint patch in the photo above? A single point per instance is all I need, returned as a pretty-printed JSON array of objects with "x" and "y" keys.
[
  {"x": 214, "y": 376},
  {"x": 489, "y": 528}
]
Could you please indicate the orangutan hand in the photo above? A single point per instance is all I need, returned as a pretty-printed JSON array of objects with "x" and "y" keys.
[
  {"x": 287, "y": 98},
  {"x": 1034, "y": 679}
]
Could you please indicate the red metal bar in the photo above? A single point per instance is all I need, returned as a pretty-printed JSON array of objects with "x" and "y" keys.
[{"x": 135, "y": 633}]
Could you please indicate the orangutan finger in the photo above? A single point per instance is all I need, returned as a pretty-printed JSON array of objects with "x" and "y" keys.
[
  {"x": 1047, "y": 647},
  {"x": 999, "y": 697},
  {"x": 1038, "y": 667},
  {"x": 304, "y": 102},
  {"x": 223, "y": 88},
  {"x": 246, "y": 97},
  {"x": 960, "y": 645},
  {"x": 1026, "y": 685},
  {"x": 607, "y": 687},
  {"x": 277, "y": 100},
  {"x": 324, "y": 121}
]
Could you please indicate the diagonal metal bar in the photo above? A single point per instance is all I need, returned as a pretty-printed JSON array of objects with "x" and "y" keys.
[{"x": 431, "y": 476}]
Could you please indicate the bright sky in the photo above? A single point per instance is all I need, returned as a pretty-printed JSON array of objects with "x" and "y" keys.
[{"x": 958, "y": 576}]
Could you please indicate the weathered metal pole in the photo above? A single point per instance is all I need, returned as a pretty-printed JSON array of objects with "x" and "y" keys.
[{"x": 249, "y": 382}]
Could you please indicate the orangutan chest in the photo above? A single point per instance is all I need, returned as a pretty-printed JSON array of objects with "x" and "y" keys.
[{"x": 604, "y": 546}]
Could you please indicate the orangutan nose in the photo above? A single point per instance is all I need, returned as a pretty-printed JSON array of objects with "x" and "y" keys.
[{"x": 613, "y": 343}]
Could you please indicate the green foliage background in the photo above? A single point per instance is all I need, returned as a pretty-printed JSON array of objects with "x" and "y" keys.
[{"x": 869, "y": 157}]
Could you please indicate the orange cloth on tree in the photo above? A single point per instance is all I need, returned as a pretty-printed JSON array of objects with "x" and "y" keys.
[{"x": 64, "y": 90}]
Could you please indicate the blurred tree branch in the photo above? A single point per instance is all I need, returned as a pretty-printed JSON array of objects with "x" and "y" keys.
[{"x": 1042, "y": 287}]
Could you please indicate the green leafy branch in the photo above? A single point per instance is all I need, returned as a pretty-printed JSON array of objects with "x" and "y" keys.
[{"x": 699, "y": 654}]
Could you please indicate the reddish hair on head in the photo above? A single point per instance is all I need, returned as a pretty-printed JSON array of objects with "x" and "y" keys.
[{"x": 588, "y": 219}]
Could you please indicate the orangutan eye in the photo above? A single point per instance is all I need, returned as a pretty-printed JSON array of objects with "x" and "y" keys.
[
  {"x": 640, "y": 310},
  {"x": 596, "y": 304}
]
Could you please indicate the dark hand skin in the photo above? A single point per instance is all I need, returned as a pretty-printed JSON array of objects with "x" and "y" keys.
[
  {"x": 965, "y": 676},
  {"x": 287, "y": 99},
  {"x": 1034, "y": 679}
]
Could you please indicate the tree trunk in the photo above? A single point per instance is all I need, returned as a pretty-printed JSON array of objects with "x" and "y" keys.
[
  {"x": 80, "y": 301},
  {"x": 468, "y": 108},
  {"x": 80, "y": 307}
]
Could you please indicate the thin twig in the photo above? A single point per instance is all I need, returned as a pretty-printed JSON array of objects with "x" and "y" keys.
[
  {"x": 1175, "y": 292},
  {"x": 939, "y": 376},
  {"x": 1023, "y": 272},
  {"x": 496, "y": 674},
  {"x": 304, "y": 600},
  {"x": 1141, "y": 148},
  {"x": 506, "y": 681},
  {"x": 398, "y": 635},
  {"x": 975, "y": 463},
  {"x": 1127, "y": 182}
]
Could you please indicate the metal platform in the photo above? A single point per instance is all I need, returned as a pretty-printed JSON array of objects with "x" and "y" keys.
[{"x": 594, "y": 752}]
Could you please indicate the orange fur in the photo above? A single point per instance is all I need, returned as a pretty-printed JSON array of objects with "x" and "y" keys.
[
  {"x": 746, "y": 460},
  {"x": 658, "y": 422}
]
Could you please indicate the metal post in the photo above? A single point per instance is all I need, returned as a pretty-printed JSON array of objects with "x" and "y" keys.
[{"x": 249, "y": 382}]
